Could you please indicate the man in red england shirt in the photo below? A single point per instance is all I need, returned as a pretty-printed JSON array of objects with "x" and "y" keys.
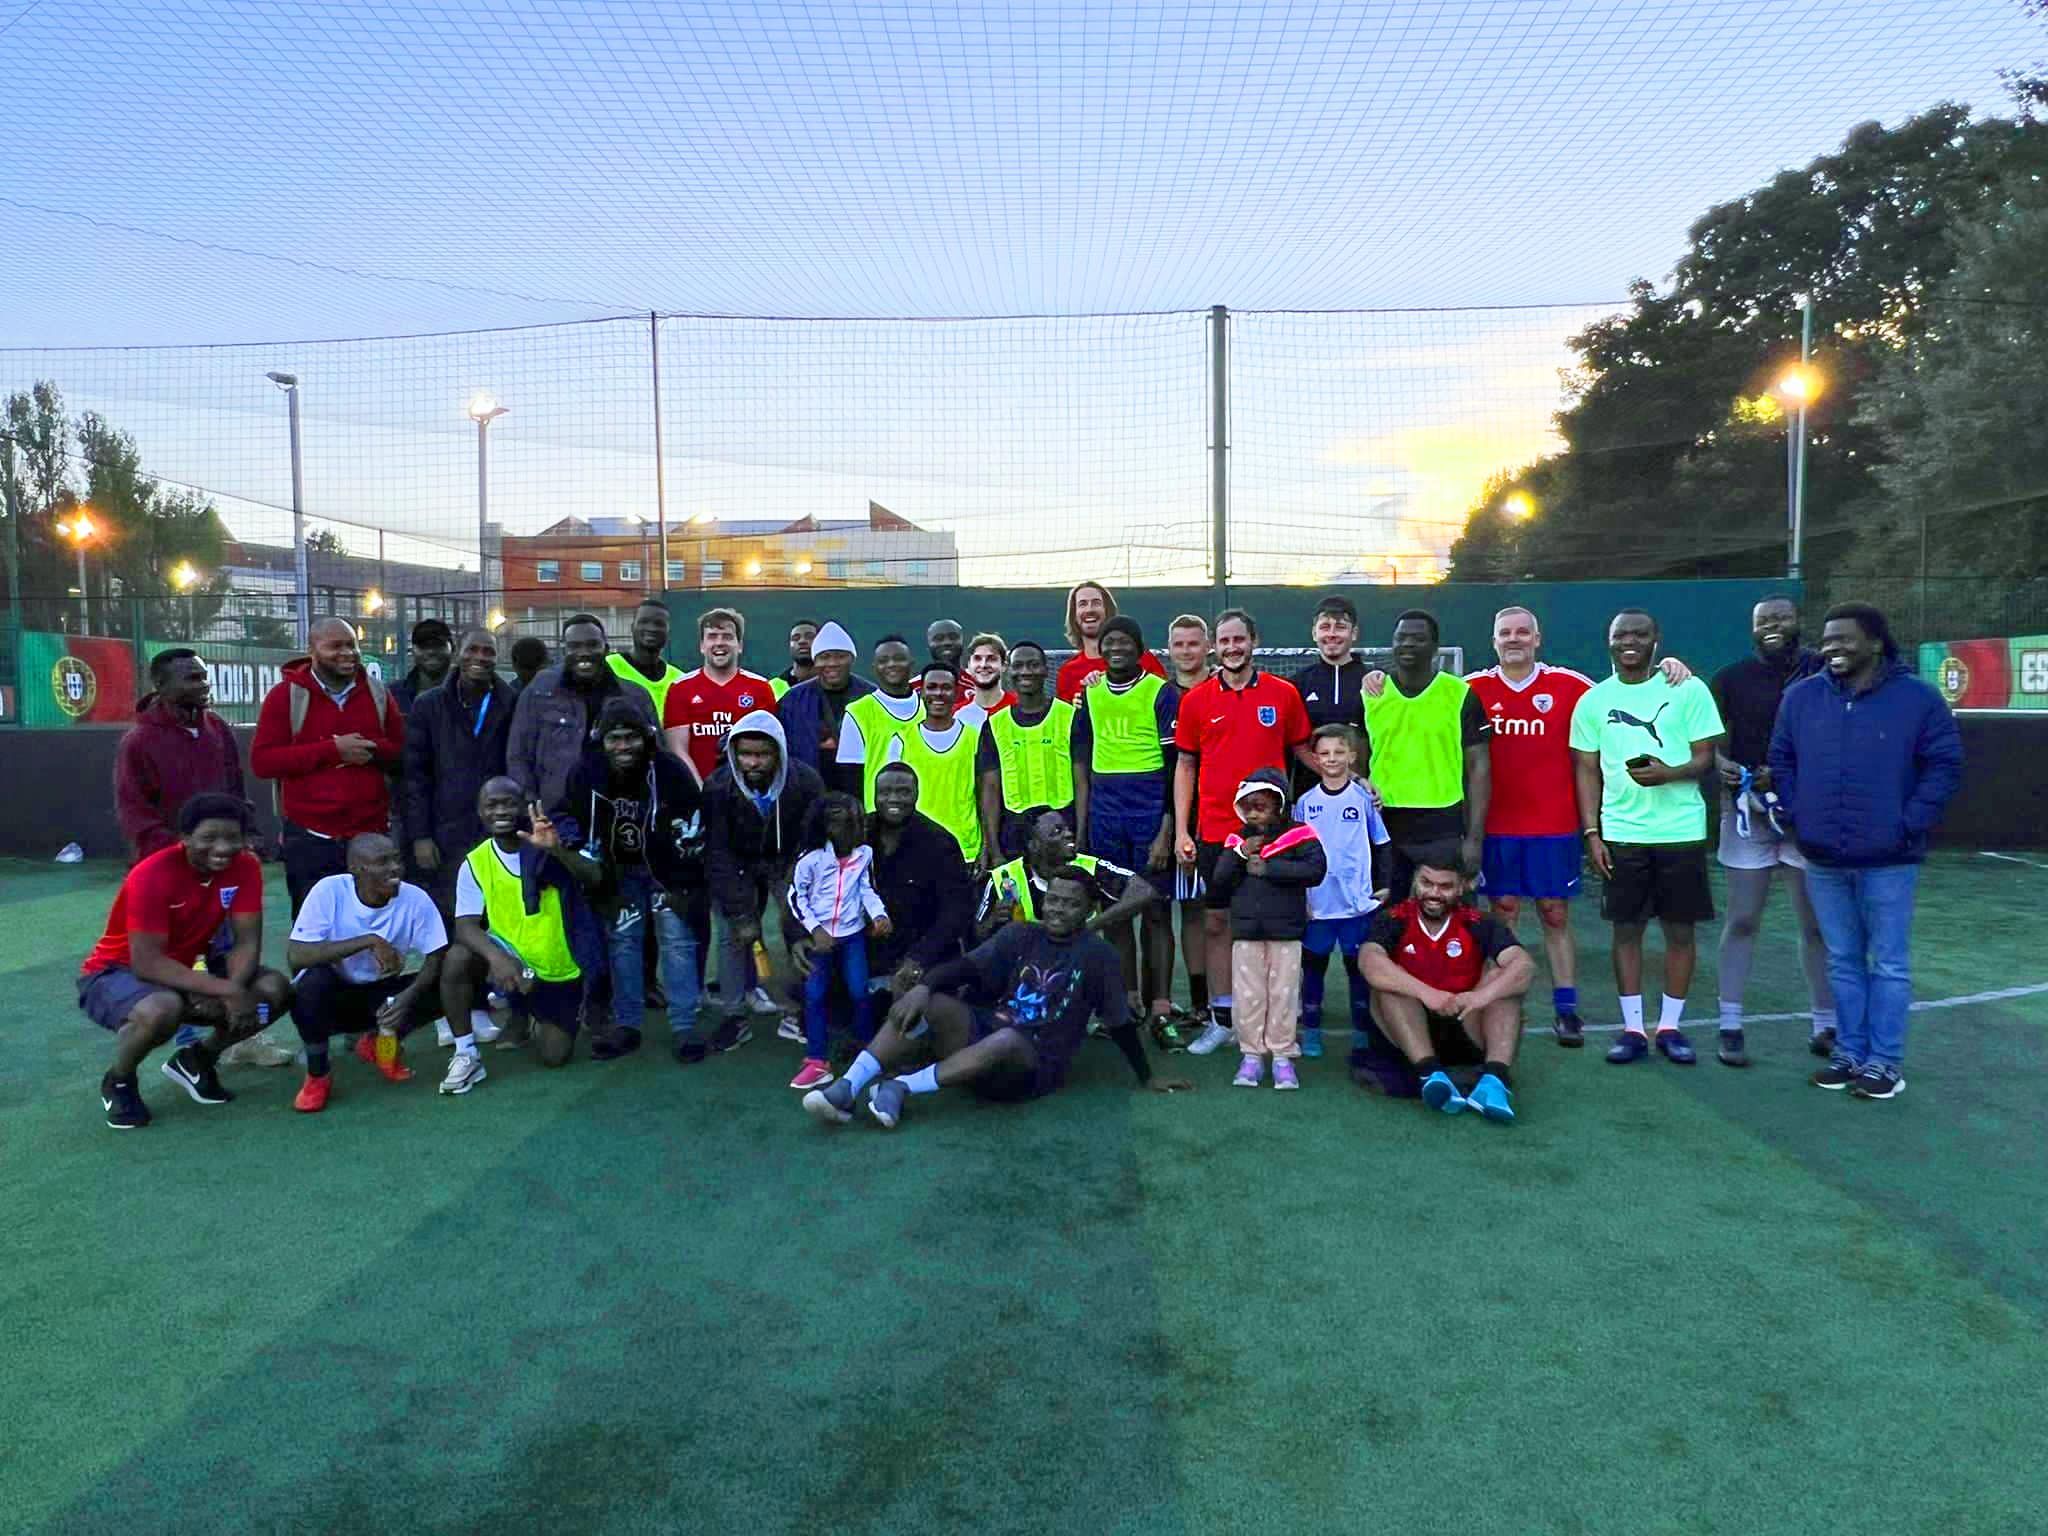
[
  {"x": 702, "y": 705},
  {"x": 1239, "y": 720},
  {"x": 1090, "y": 606},
  {"x": 138, "y": 983},
  {"x": 1532, "y": 849}
]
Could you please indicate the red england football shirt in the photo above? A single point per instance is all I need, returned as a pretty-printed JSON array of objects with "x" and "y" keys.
[
  {"x": 1530, "y": 750},
  {"x": 1076, "y": 670},
  {"x": 166, "y": 896},
  {"x": 1233, "y": 731},
  {"x": 710, "y": 710}
]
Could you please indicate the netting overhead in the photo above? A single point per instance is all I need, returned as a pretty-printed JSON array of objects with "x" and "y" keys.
[{"x": 234, "y": 169}]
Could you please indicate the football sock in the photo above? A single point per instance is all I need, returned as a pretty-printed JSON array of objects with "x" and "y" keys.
[
  {"x": 865, "y": 1070},
  {"x": 1219, "y": 1011},
  {"x": 1198, "y": 993},
  {"x": 1565, "y": 1000},
  {"x": 924, "y": 1080},
  {"x": 1632, "y": 1013},
  {"x": 1731, "y": 1015},
  {"x": 465, "y": 1045},
  {"x": 1427, "y": 1065},
  {"x": 1823, "y": 1018},
  {"x": 1672, "y": 1009},
  {"x": 1500, "y": 1070},
  {"x": 316, "y": 1059}
]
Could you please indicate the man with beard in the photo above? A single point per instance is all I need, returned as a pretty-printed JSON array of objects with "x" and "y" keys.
[
  {"x": 873, "y": 721},
  {"x": 756, "y": 809},
  {"x": 329, "y": 734},
  {"x": 635, "y": 812},
  {"x": 1049, "y": 978},
  {"x": 1090, "y": 605},
  {"x": 801, "y": 669},
  {"x": 1754, "y": 847},
  {"x": 433, "y": 655},
  {"x": 1447, "y": 987},
  {"x": 455, "y": 739},
  {"x": 813, "y": 712},
  {"x": 923, "y": 882},
  {"x": 645, "y": 663},
  {"x": 551, "y": 722},
  {"x": 1641, "y": 748}
]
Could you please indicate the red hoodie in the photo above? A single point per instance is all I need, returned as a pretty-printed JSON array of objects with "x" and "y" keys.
[
  {"x": 316, "y": 789},
  {"x": 161, "y": 763}
]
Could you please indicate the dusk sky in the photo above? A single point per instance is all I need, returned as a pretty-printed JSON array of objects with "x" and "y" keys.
[{"x": 205, "y": 172}]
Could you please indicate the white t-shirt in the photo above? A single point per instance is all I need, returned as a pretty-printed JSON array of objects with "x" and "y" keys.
[
  {"x": 469, "y": 896},
  {"x": 938, "y": 741},
  {"x": 407, "y": 922},
  {"x": 852, "y": 749}
]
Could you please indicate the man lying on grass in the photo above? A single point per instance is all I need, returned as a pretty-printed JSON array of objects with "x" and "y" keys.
[
  {"x": 1050, "y": 977},
  {"x": 139, "y": 983}
]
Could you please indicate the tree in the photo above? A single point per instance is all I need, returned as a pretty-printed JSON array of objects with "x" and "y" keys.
[{"x": 1673, "y": 461}]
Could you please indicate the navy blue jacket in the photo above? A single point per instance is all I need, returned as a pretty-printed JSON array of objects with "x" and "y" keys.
[
  {"x": 1865, "y": 776},
  {"x": 802, "y": 713}
]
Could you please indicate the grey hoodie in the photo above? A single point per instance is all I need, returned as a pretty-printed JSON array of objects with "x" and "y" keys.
[{"x": 750, "y": 837}]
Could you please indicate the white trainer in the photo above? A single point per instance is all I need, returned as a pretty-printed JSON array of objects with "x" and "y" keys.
[
  {"x": 483, "y": 1026},
  {"x": 443, "y": 1035},
  {"x": 465, "y": 1071},
  {"x": 1211, "y": 1039},
  {"x": 760, "y": 1002}
]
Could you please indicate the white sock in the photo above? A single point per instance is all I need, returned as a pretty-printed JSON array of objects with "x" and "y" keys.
[
  {"x": 1632, "y": 1014},
  {"x": 1731, "y": 1016},
  {"x": 480, "y": 1016},
  {"x": 465, "y": 1045},
  {"x": 865, "y": 1070},
  {"x": 1669, "y": 1013},
  {"x": 924, "y": 1080}
]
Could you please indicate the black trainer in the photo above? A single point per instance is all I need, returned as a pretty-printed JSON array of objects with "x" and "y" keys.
[
  {"x": 732, "y": 1034},
  {"x": 123, "y": 1103},
  {"x": 1838, "y": 1074},
  {"x": 194, "y": 1073},
  {"x": 1570, "y": 1030},
  {"x": 1823, "y": 1042},
  {"x": 615, "y": 1043},
  {"x": 689, "y": 1050},
  {"x": 1732, "y": 1052},
  {"x": 1877, "y": 1081}
]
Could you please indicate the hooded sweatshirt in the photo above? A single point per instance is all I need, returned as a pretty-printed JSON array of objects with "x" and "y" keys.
[
  {"x": 161, "y": 763},
  {"x": 752, "y": 835},
  {"x": 1272, "y": 905},
  {"x": 315, "y": 788},
  {"x": 655, "y": 824}
]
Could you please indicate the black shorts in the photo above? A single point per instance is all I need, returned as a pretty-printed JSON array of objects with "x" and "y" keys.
[
  {"x": 1011, "y": 1083},
  {"x": 559, "y": 1003},
  {"x": 1206, "y": 855},
  {"x": 1661, "y": 880}
]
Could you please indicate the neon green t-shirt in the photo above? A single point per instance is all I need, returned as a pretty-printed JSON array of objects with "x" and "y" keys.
[{"x": 1624, "y": 720}]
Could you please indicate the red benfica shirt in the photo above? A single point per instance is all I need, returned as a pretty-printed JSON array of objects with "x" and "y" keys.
[
  {"x": 710, "y": 709},
  {"x": 1531, "y": 751},
  {"x": 1452, "y": 960},
  {"x": 1232, "y": 731}
]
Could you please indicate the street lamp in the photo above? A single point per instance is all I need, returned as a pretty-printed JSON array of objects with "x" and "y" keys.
[
  {"x": 483, "y": 410},
  {"x": 1519, "y": 505},
  {"x": 303, "y": 607},
  {"x": 79, "y": 530},
  {"x": 184, "y": 578},
  {"x": 1798, "y": 387}
]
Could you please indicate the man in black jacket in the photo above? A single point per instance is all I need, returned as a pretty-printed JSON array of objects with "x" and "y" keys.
[
  {"x": 1753, "y": 849},
  {"x": 636, "y": 811},
  {"x": 1329, "y": 685},
  {"x": 454, "y": 740},
  {"x": 757, "y": 807},
  {"x": 433, "y": 657}
]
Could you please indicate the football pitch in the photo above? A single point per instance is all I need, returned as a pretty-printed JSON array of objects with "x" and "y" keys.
[{"x": 634, "y": 1297}]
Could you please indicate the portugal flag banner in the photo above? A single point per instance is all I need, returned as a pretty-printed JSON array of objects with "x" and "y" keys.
[
  {"x": 1989, "y": 674},
  {"x": 76, "y": 680}
]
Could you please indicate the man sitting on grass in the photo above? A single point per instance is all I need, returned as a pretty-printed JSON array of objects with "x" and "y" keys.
[
  {"x": 1050, "y": 978},
  {"x": 138, "y": 982},
  {"x": 1447, "y": 985},
  {"x": 348, "y": 947}
]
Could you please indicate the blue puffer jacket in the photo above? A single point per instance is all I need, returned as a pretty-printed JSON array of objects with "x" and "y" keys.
[{"x": 1867, "y": 775}]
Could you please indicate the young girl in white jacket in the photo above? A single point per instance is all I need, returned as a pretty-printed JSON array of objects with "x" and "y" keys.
[{"x": 835, "y": 901}]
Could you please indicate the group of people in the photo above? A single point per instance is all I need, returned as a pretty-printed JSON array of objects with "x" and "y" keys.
[{"x": 973, "y": 859}]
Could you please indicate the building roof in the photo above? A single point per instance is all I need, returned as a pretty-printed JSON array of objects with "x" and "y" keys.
[{"x": 879, "y": 520}]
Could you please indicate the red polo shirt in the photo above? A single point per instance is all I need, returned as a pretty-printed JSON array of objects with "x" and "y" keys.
[{"x": 1233, "y": 731}]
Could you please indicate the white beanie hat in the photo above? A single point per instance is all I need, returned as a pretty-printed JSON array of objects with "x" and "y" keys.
[{"x": 833, "y": 637}]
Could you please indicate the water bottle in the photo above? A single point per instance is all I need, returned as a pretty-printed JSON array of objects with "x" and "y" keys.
[{"x": 262, "y": 1017}]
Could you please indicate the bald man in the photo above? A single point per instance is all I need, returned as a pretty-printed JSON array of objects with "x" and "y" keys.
[
  {"x": 330, "y": 735},
  {"x": 348, "y": 946}
]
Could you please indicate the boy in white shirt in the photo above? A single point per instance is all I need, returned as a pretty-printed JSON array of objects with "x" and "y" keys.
[{"x": 1358, "y": 847}]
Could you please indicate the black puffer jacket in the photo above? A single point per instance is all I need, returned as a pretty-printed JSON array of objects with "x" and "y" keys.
[{"x": 1272, "y": 905}]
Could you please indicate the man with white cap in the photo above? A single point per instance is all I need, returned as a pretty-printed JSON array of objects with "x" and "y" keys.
[{"x": 812, "y": 711}]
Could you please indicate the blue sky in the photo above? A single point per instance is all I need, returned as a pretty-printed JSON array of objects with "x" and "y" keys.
[{"x": 203, "y": 172}]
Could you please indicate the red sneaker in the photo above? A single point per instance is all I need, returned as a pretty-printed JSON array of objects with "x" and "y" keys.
[
  {"x": 366, "y": 1048},
  {"x": 313, "y": 1094}
]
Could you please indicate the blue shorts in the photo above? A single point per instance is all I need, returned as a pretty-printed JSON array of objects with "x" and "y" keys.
[
  {"x": 1545, "y": 868},
  {"x": 1325, "y": 934},
  {"x": 108, "y": 997},
  {"x": 1123, "y": 840}
]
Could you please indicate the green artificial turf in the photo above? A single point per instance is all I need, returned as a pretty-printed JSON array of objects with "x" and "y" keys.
[{"x": 637, "y": 1297}]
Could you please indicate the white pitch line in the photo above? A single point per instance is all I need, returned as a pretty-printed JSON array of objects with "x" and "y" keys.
[
  {"x": 1967, "y": 1000},
  {"x": 2010, "y": 858}
]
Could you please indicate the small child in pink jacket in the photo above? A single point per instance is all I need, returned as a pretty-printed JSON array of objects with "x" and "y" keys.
[{"x": 835, "y": 901}]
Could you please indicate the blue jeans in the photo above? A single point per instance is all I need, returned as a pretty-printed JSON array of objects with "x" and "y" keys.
[
  {"x": 1866, "y": 919},
  {"x": 847, "y": 959},
  {"x": 641, "y": 901}
]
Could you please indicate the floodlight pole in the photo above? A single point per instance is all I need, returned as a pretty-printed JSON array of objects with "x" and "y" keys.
[
  {"x": 660, "y": 461},
  {"x": 1219, "y": 455},
  {"x": 1795, "y": 458}
]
